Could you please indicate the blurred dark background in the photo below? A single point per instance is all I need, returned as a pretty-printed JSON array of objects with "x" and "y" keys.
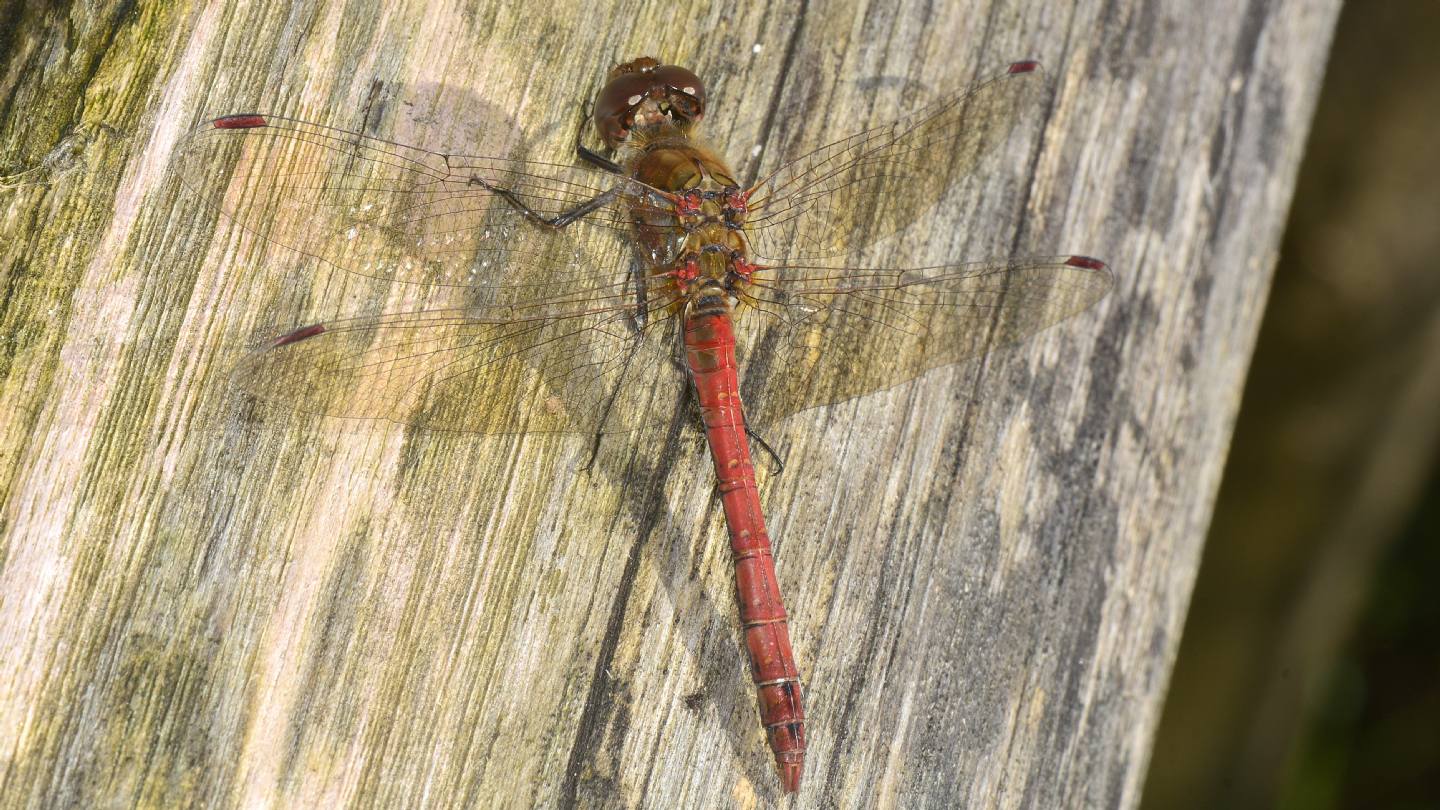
[{"x": 1309, "y": 672}]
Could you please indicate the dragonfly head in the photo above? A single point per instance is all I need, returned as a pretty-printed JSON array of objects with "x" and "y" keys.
[{"x": 644, "y": 93}]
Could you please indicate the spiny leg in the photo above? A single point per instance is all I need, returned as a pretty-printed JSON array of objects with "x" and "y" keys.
[
  {"x": 764, "y": 445},
  {"x": 636, "y": 320},
  {"x": 558, "y": 221},
  {"x": 759, "y": 440},
  {"x": 587, "y": 154},
  {"x": 610, "y": 402},
  {"x": 598, "y": 159}
]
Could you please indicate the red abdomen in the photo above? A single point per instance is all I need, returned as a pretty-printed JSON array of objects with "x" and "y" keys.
[{"x": 710, "y": 353}]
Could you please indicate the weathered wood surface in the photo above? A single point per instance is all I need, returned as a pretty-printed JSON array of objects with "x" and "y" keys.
[{"x": 987, "y": 570}]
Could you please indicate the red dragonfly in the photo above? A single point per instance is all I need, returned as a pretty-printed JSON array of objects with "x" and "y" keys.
[{"x": 575, "y": 283}]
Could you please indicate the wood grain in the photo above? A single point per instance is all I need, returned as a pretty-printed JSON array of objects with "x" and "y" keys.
[{"x": 208, "y": 605}]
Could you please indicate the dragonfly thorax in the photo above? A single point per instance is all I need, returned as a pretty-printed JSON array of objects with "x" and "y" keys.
[
  {"x": 711, "y": 265},
  {"x": 695, "y": 239}
]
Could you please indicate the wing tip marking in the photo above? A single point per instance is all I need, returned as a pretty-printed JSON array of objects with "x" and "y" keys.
[
  {"x": 240, "y": 121},
  {"x": 1087, "y": 263},
  {"x": 303, "y": 333}
]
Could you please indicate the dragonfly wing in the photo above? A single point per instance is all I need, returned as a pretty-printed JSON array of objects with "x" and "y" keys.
[
  {"x": 449, "y": 370},
  {"x": 400, "y": 213},
  {"x": 852, "y": 192},
  {"x": 838, "y": 333}
]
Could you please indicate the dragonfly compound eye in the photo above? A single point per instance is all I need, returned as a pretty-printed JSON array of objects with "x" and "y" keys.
[
  {"x": 615, "y": 106},
  {"x": 687, "y": 92}
]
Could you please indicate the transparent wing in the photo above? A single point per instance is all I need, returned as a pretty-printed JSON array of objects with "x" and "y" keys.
[
  {"x": 449, "y": 370},
  {"x": 396, "y": 212},
  {"x": 836, "y": 333},
  {"x": 872, "y": 184}
]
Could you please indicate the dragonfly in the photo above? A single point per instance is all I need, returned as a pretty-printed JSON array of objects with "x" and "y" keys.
[{"x": 579, "y": 296}]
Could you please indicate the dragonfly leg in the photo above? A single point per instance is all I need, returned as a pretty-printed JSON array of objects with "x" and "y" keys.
[
  {"x": 586, "y": 153},
  {"x": 600, "y": 431},
  {"x": 756, "y": 437},
  {"x": 558, "y": 221},
  {"x": 609, "y": 404},
  {"x": 594, "y": 450},
  {"x": 591, "y": 156},
  {"x": 770, "y": 451},
  {"x": 638, "y": 317}
]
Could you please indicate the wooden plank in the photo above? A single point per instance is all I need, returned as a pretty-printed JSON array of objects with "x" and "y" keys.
[{"x": 986, "y": 570}]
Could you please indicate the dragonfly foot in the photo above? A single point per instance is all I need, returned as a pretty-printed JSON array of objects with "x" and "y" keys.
[
  {"x": 594, "y": 454},
  {"x": 764, "y": 445}
]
